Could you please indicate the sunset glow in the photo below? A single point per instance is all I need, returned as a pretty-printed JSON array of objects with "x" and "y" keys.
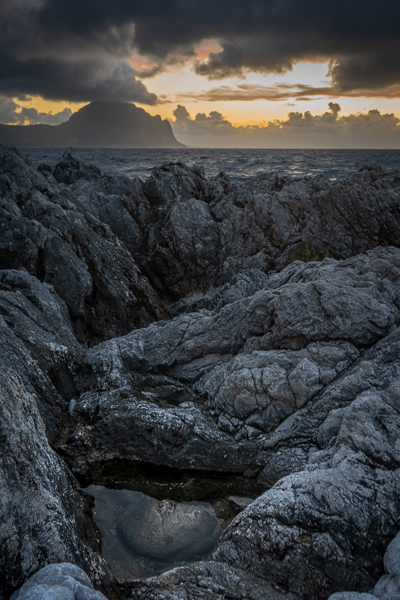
[{"x": 253, "y": 65}]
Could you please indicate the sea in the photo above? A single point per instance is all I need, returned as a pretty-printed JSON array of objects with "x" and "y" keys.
[{"x": 239, "y": 164}]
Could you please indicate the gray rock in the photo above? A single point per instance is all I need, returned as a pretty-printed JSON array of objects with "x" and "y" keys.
[
  {"x": 264, "y": 223},
  {"x": 56, "y": 238},
  {"x": 283, "y": 370},
  {"x": 38, "y": 343},
  {"x": 327, "y": 511},
  {"x": 115, "y": 423},
  {"x": 44, "y": 515},
  {"x": 239, "y": 502},
  {"x": 62, "y": 581},
  {"x": 253, "y": 372},
  {"x": 207, "y": 581},
  {"x": 240, "y": 286},
  {"x": 259, "y": 389},
  {"x": 354, "y": 300},
  {"x": 391, "y": 559},
  {"x": 351, "y": 596},
  {"x": 388, "y": 587}
]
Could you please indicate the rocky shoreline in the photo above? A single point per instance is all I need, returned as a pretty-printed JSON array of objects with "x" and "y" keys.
[{"x": 211, "y": 327}]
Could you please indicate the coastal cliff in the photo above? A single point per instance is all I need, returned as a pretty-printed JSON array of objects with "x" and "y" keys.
[{"x": 202, "y": 326}]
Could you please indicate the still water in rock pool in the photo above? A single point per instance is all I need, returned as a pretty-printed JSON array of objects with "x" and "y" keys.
[{"x": 143, "y": 535}]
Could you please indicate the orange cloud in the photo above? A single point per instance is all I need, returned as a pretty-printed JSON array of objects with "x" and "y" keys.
[
  {"x": 205, "y": 48},
  {"x": 279, "y": 92}
]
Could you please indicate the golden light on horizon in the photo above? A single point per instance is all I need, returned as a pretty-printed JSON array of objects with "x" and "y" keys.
[
  {"x": 46, "y": 106},
  {"x": 179, "y": 84}
]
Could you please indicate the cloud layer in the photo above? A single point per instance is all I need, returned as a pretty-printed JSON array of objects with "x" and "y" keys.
[
  {"x": 79, "y": 50},
  {"x": 13, "y": 113},
  {"x": 62, "y": 55},
  {"x": 299, "y": 130}
]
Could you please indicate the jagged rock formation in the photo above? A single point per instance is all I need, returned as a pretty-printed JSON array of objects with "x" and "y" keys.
[
  {"x": 170, "y": 322},
  {"x": 97, "y": 125},
  {"x": 53, "y": 235}
]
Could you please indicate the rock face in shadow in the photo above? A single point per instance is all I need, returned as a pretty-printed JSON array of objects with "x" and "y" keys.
[
  {"x": 97, "y": 125},
  {"x": 249, "y": 329},
  {"x": 52, "y": 235},
  {"x": 206, "y": 231},
  {"x": 44, "y": 514}
]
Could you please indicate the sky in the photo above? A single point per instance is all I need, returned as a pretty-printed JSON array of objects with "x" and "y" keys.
[{"x": 239, "y": 73}]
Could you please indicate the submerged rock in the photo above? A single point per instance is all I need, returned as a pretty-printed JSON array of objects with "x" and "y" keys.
[
  {"x": 143, "y": 536},
  {"x": 169, "y": 531}
]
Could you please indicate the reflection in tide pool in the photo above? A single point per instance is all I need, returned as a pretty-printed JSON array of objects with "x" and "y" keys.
[{"x": 143, "y": 536}]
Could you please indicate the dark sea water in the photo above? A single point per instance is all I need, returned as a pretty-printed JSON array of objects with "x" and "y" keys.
[{"x": 239, "y": 164}]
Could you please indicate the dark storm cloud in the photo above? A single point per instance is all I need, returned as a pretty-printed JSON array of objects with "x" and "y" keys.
[
  {"x": 59, "y": 63},
  {"x": 8, "y": 111},
  {"x": 73, "y": 80},
  {"x": 360, "y": 39}
]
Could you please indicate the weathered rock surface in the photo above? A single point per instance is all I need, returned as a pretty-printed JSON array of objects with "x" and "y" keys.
[
  {"x": 50, "y": 234},
  {"x": 207, "y": 581},
  {"x": 279, "y": 369},
  {"x": 63, "y": 581},
  {"x": 38, "y": 344},
  {"x": 241, "y": 371},
  {"x": 207, "y": 231},
  {"x": 44, "y": 514},
  {"x": 329, "y": 521}
]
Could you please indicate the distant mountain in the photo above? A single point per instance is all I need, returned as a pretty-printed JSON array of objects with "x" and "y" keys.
[{"x": 97, "y": 125}]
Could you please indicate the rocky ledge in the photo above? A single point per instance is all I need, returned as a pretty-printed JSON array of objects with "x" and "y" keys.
[{"x": 196, "y": 324}]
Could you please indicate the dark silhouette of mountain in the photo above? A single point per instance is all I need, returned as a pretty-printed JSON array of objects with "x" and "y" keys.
[{"x": 97, "y": 125}]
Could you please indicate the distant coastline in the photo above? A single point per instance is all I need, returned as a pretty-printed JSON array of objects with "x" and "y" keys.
[{"x": 97, "y": 125}]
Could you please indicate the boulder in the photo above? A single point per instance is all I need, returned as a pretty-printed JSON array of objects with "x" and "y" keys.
[{"x": 62, "y": 581}]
